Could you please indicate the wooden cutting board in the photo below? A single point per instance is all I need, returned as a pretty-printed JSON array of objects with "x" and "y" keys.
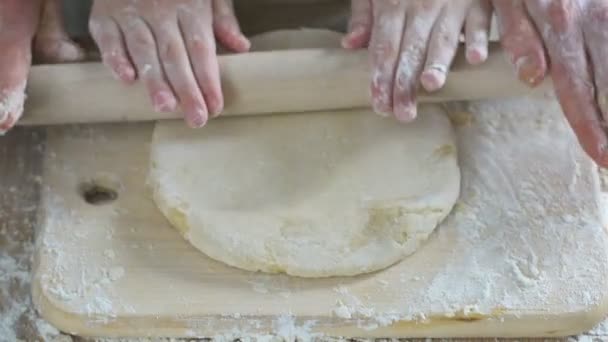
[{"x": 524, "y": 252}]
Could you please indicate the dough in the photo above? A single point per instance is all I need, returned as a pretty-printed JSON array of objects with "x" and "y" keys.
[{"x": 311, "y": 195}]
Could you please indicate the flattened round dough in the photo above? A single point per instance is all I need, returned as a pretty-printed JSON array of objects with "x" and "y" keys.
[{"x": 312, "y": 195}]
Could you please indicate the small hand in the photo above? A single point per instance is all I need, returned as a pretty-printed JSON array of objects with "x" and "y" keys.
[
  {"x": 414, "y": 42},
  {"x": 568, "y": 39},
  {"x": 170, "y": 46}
]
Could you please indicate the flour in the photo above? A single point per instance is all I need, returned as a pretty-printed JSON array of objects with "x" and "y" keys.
[
  {"x": 91, "y": 292},
  {"x": 481, "y": 270},
  {"x": 18, "y": 319},
  {"x": 517, "y": 277},
  {"x": 11, "y": 105}
]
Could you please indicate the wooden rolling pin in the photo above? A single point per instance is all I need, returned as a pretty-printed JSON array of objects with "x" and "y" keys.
[{"x": 253, "y": 83}]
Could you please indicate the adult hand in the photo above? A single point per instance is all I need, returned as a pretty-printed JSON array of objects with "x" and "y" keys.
[
  {"x": 414, "y": 42},
  {"x": 569, "y": 40},
  {"x": 20, "y": 24},
  {"x": 170, "y": 45}
]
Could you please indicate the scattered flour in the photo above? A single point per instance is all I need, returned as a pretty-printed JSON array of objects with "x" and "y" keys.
[{"x": 521, "y": 280}]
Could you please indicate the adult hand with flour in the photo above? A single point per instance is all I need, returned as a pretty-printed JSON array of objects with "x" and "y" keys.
[
  {"x": 569, "y": 40},
  {"x": 413, "y": 42},
  {"x": 171, "y": 47},
  {"x": 28, "y": 25}
]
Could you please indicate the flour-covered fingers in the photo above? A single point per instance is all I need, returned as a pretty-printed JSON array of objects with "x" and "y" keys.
[
  {"x": 226, "y": 26},
  {"x": 360, "y": 25},
  {"x": 15, "y": 61},
  {"x": 418, "y": 28},
  {"x": 52, "y": 43},
  {"x": 178, "y": 69},
  {"x": 19, "y": 22},
  {"x": 477, "y": 31},
  {"x": 385, "y": 48},
  {"x": 571, "y": 73},
  {"x": 142, "y": 48},
  {"x": 109, "y": 40},
  {"x": 595, "y": 32},
  {"x": 442, "y": 47},
  {"x": 521, "y": 40},
  {"x": 200, "y": 43}
]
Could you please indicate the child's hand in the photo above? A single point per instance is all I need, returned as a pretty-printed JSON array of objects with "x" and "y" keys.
[
  {"x": 170, "y": 45},
  {"x": 413, "y": 42}
]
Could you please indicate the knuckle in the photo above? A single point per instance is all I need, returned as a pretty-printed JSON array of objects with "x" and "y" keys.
[
  {"x": 384, "y": 50},
  {"x": 140, "y": 37},
  {"x": 445, "y": 38},
  {"x": 169, "y": 49},
  {"x": 198, "y": 45}
]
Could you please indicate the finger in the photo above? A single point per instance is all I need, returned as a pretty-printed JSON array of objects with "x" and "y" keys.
[
  {"x": 389, "y": 21},
  {"x": 411, "y": 62},
  {"x": 360, "y": 25},
  {"x": 19, "y": 21},
  {"x": 52, "y": 43},
  {"x": 571, "y": 76},
  {"x": 226, "y": 26},
  {"x": 442, "y": 48},
  {"x": 596, "y": 39},
  {"x": 521, "y": 41},
  {"x": 175, "y": 61},
  {"x": 200, "y": 44},
  {"x": 142, "y": 49},
  {"x": 15, "y": 62},
  {"x": 109, "y": 39},
  {"x": 477, "y": 32}
]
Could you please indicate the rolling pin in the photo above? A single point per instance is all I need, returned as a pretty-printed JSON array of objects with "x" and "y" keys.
[{"x": 253, "y": 83}]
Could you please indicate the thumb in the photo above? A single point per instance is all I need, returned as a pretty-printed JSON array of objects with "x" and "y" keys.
[{"x": 52, "y": 43}]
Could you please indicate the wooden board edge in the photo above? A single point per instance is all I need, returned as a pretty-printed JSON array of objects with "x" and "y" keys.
[{"x": 507, "y": 325}]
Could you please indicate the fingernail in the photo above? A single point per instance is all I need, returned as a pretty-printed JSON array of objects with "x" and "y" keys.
[
  {"x": 164, "y": 102},
  {"x": 70, "y": 52},
  {"x": 11, "y": 106},
  {"x": 243, "y": 42},
  {"x": 406, "y": 112},
  {"x": 477, "y": 55},
  {"x": 433, "y": 78},
  {"x": 215, "y": 108},
  {"x": 381, "y": 108},
  {"x": 356, "y": 32},
  {"x": 7, "y": 124},
  {"x": 197, "y": 119},
  {"x": 246, "y": 43},
  {"x": 528, "y": 70},
  {"x": 123, "y": 73},
  {"x": 347, "y": 41}
]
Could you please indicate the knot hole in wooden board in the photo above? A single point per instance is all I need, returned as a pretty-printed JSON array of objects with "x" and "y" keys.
[{"x": 97, "y": 193}]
